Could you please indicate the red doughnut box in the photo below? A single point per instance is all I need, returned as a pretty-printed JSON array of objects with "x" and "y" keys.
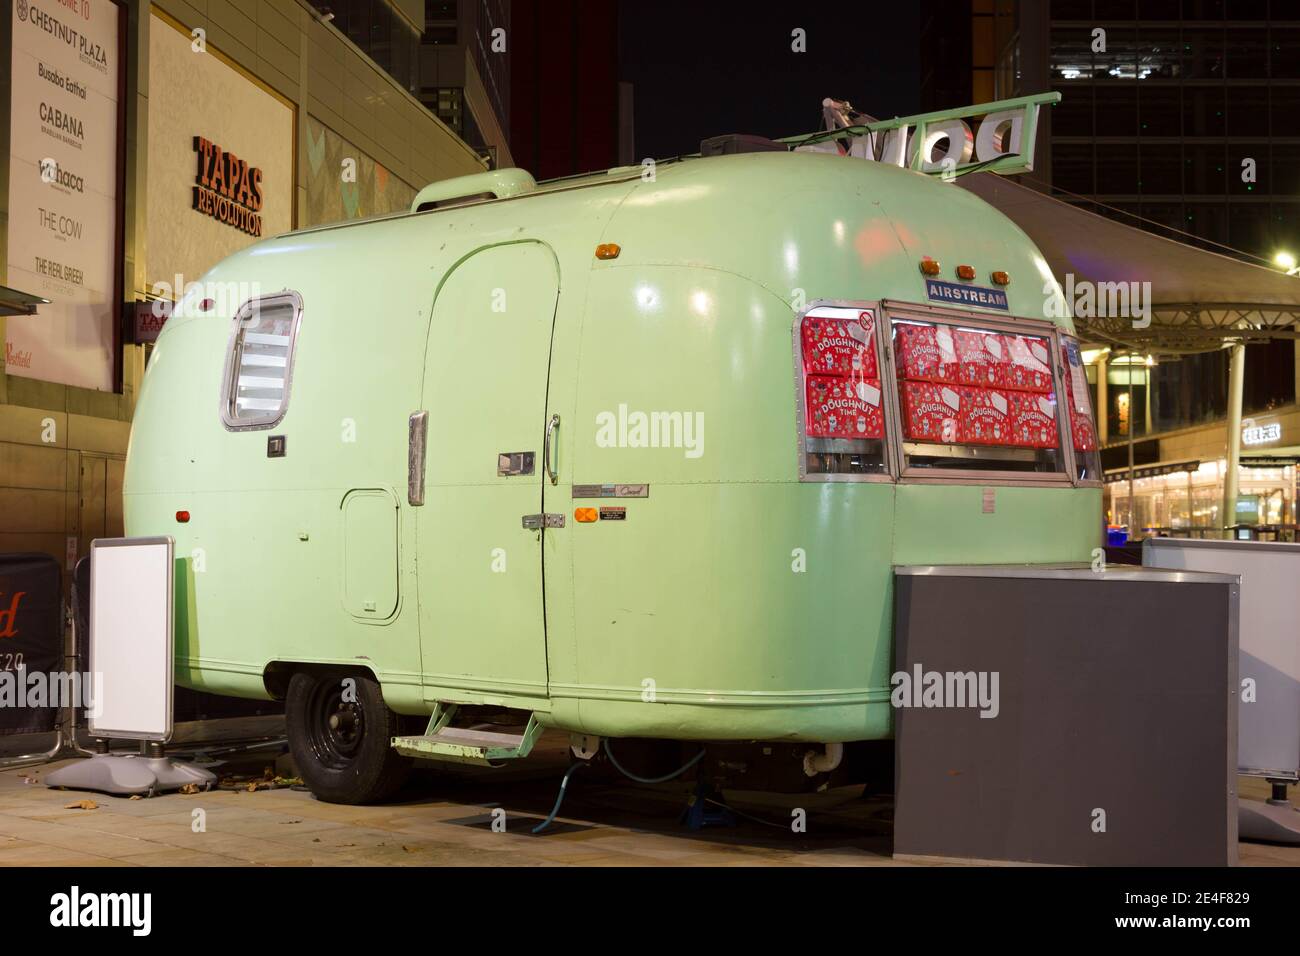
[
  {"x": 1033, "y": 420},
  {"x": 930, "y": 412},
  {"x": 926, "y": 353},
  {"x": 1083, "y": 431},
  {"x": 981, "y": 358},
  {"x": 843, "y": 408},
  {"x": 1029, "y": 368},
  {"x": 984, "y": 418},
  {"x": 839, "y": 346}
]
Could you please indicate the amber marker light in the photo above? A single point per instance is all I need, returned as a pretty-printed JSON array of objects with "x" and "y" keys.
[
  {"x": 607, "y": 250},
  {"x": 965, "y": 272},
  {"x": 1000, "y": 277},
  {"x": 929, "y": 267},
  {"x": 585, "y": 515},
  {"x": 183, "y": 517}
]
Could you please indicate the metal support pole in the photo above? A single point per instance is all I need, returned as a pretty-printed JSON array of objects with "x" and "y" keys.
[
  {"x": 1103, "y": 400},
  {"x": 1236, "y": 384},
  {"x": 1132, "y": 502}
]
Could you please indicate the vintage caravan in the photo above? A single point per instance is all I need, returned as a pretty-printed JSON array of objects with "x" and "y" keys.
[{"x": 630, "y": 455}]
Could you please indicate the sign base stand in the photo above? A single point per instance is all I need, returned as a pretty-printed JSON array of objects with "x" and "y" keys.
[
  {"x": 1268, "y": 821},
  {"x": 127, "y": 774}
]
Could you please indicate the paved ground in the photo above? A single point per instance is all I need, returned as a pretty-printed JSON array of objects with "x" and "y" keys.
[{"x": 445, "y": 817}]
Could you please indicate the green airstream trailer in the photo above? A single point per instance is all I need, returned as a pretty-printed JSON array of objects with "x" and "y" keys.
[{"x": 630, "y": 455}]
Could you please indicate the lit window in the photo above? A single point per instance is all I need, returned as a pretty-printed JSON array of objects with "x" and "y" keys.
[
  {"x": 259, "y": 361},
  {"x": 843, "y": 421},
  {"x": 973, "y": 399}
]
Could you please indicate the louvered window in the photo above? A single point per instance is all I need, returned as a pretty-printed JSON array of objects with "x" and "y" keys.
[{"x": 259, "y": 362}]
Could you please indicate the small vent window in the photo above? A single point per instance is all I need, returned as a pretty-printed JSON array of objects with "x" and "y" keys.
[
  {"x": 1087, "y": 458},
  {"x": 259, "y": 363}
]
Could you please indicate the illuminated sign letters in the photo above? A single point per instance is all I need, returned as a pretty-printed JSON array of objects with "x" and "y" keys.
[
  {"x": 1252, "y": 434},
  {"x": 227, "y": 188}
]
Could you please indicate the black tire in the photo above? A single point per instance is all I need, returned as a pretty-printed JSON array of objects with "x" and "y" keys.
[{"x": 342, "y": 747}]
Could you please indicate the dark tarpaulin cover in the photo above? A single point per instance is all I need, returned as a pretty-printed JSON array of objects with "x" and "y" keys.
[{"x": 31, "y": 633}]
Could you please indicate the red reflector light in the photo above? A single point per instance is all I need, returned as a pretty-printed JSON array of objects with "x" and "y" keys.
[
  {"x": 965, "y": 272},
  {"x": 207, "y": 305},
  {"x": 1001, "y": 278},
  {"x": 929, "y": 267},
  {"x": 182, "y": 516}
]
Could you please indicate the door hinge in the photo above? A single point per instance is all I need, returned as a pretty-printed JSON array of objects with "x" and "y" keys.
[{"x": 537, "y": 522}]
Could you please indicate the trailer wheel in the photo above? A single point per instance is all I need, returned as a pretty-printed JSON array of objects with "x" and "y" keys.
[{"x": 339, "y": 733}]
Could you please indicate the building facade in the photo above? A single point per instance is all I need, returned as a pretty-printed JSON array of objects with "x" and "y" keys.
[
  {"x": 464, "y": 74},
  {"x": 143, "y": 142},
  {"x": 1178, "y": 117}
]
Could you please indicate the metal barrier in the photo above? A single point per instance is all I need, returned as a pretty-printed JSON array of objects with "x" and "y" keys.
[
  {"x": 32, "y": 634},
  {"x": 64, "y": 645}
]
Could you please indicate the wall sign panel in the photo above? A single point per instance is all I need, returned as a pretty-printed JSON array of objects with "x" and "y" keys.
[
  {"x": 221, "y": 161},
  {"x": 64, "y": 136}
]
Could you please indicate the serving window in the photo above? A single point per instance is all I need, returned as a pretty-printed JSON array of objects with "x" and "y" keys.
[
  {"x": 842, "y": 421},
  {"x": 888, "y": 392},
  {"x": 975, "y": 398}
]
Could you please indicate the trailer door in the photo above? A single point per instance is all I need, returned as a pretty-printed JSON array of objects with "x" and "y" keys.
[{"x": 482, "y": 630}]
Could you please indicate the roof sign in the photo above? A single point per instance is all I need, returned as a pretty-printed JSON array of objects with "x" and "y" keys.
[{"x": 998, "y": 137}]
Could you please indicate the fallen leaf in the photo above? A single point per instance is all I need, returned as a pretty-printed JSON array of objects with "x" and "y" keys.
[
  {"x": 410, "y": 849},
  {"x": 190, "y": 788},
  {"x": 136, "y": 796},
  {"x": 83, "y": 805},
  {"x": 252, "y": 788}
]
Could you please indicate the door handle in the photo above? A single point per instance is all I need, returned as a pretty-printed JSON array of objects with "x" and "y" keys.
[
  {"x": 552, "y": 469},
  {"x": 417, "y": 434},
  {"x": 543, "y": 520}
]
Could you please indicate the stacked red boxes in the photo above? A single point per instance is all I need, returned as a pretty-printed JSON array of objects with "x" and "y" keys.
[
  {"x": 842, "y": 380},
  {"x": 1029, "y": 367},
  {"x": 837, "y": 346},
  {"x": 931, "y": 411},
  {"x": 983, "y": 418},
  {"x": 1033, "y": 420},
  {"x": 842, "y": 407}
]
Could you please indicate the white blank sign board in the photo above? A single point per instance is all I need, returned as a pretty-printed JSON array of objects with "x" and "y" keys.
[
  {"x": 131, "y": 637},
  {"x": 1269, "y": 725}
]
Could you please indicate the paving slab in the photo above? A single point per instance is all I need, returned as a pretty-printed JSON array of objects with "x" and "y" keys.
[{"x": 446, "y": 818}]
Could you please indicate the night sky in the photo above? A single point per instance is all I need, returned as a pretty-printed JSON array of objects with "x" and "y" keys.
[{"x": 702, "y": 69}]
